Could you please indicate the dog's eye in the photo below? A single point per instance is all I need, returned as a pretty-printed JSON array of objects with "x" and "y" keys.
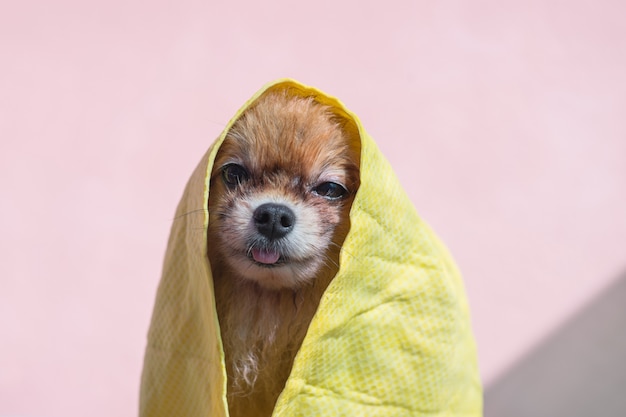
[
  {"x": 330, "y": 190},
  {"x": 234, "y": 174}
]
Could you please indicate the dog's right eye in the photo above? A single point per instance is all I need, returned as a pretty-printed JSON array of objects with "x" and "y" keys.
[{"x": 234, "y": 174}]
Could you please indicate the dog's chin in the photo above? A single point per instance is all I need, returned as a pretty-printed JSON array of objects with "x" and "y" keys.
[{"x": 283, "y": 273}]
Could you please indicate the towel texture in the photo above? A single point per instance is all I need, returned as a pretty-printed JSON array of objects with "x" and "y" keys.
[{"x": 391, "y": 336}]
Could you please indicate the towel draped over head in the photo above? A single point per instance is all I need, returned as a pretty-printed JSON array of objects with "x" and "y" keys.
[{"x": 391, "y": 336}]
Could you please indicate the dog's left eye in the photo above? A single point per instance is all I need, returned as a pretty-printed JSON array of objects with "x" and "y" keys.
[
  {"x": 234, "y": 174},
  {"x": 330, "y": 190}
]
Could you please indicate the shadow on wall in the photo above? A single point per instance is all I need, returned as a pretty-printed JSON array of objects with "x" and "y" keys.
[{"x": 579, "y": 371}]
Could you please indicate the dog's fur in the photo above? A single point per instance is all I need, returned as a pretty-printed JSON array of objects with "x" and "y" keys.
[{"x": 285, "y": 151}]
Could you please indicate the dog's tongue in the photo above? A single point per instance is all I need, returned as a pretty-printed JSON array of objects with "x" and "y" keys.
[{"x": 265, "y": 256}]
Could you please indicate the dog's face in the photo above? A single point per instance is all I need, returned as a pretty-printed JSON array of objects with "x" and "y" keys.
[{"x": 281, "y": 190}]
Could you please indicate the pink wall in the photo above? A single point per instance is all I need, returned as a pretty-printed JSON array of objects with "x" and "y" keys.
[{"x": 504, "y": 120}]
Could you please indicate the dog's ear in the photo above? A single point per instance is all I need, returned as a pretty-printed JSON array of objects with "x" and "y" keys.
[
  {"x": 350, "y": 130},
  {"x": 351, "y": 133}
]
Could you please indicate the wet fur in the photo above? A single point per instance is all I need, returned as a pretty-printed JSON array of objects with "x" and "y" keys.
[{"x": 288, "y": 144}]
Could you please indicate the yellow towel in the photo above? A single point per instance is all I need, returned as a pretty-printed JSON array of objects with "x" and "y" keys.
[{"x": 391, "y": 336}]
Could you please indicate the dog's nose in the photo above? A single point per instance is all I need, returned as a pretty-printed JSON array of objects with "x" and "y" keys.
[{"x": 274, "y": 220}]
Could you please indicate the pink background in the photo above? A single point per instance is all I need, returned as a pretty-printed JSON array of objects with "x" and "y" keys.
[{"x": 505, "y": 122}]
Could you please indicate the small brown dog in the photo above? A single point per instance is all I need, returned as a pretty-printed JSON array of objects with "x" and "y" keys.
[{"x": 281, "y": 190}]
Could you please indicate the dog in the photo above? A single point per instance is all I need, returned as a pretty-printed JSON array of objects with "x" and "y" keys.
[{"x": 281, "y": 190}]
